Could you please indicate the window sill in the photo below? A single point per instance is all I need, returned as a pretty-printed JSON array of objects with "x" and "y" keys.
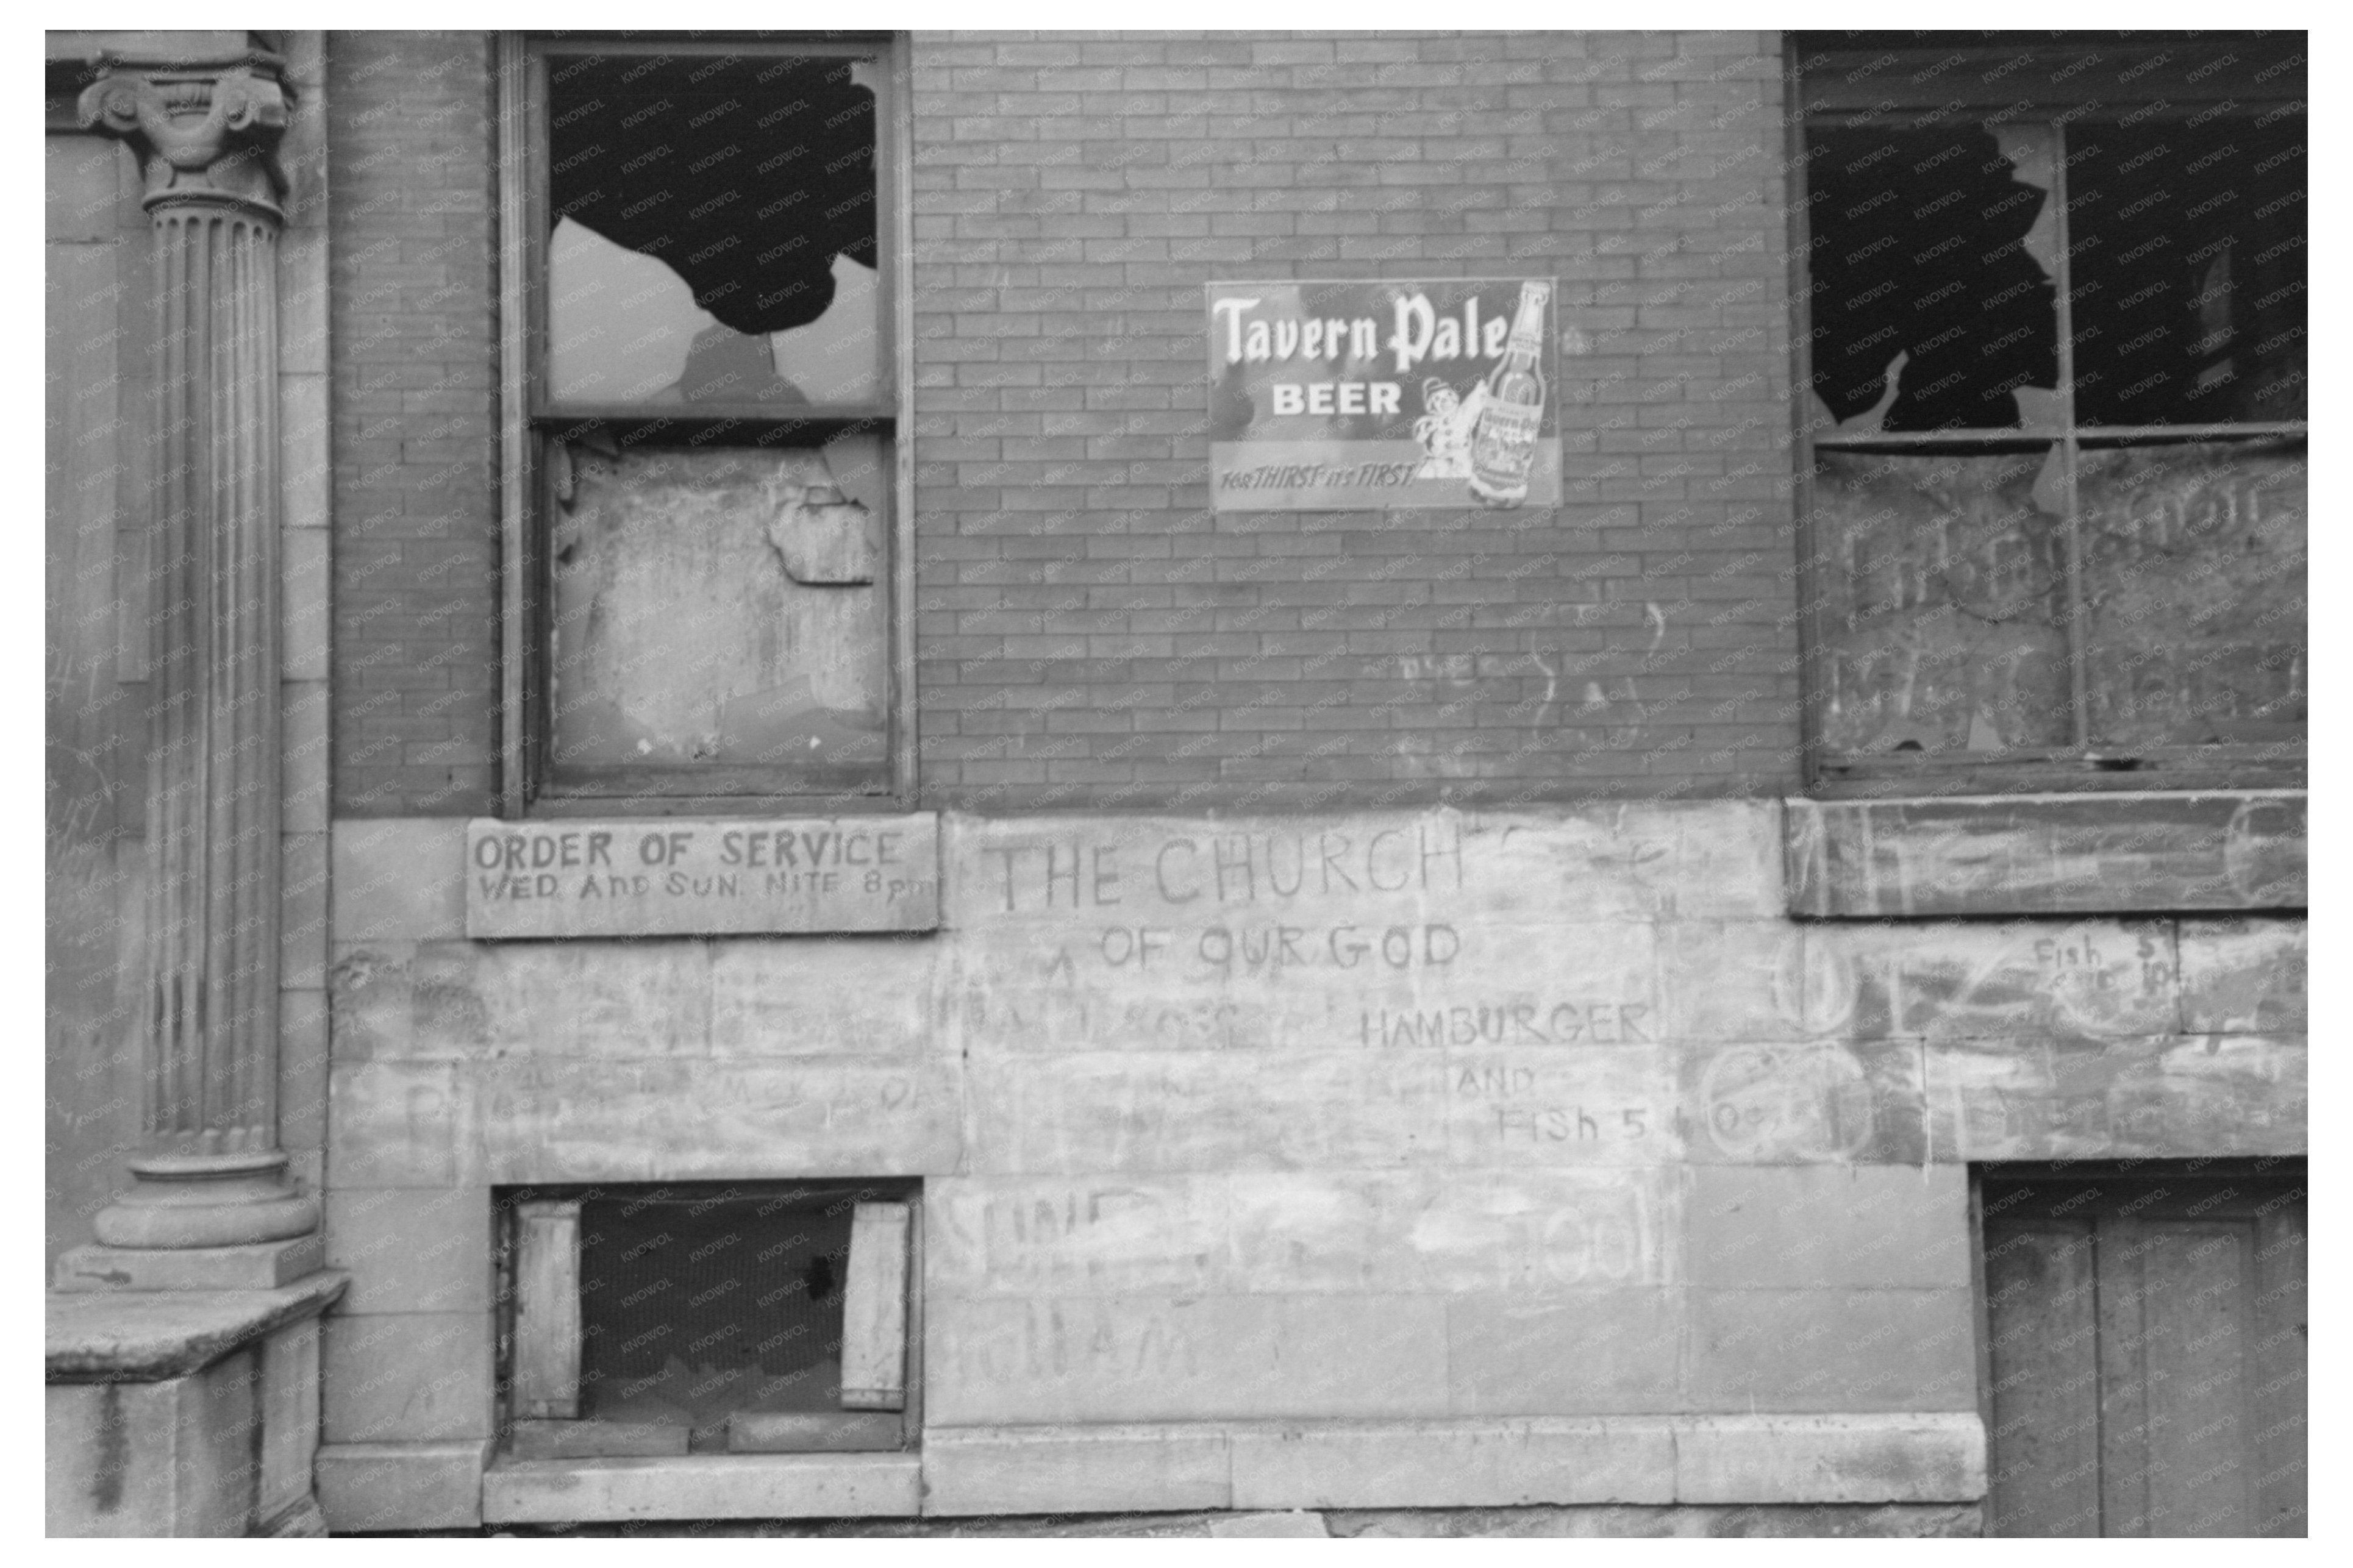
[
  {"x": 2104, "y": 853},
  {"x": 702, "y": 1486}
]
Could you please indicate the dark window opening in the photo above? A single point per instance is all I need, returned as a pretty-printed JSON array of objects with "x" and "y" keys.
[
  {"x": 1934, "y": 276},
  {"x": 674, "y": 1321}
]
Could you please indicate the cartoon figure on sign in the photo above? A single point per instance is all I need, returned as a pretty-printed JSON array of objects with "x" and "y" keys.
[{"x": 1445, "y": 430}]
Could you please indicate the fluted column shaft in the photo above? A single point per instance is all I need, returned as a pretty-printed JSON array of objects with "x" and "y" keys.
[
  {"x": 212, "y": 787},
  {"x": 212, "y": 1175}
]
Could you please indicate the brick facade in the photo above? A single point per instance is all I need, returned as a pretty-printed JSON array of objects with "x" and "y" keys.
[
  {"x": 416, "y": 488},
  {"x": 1090, "y": 635}
]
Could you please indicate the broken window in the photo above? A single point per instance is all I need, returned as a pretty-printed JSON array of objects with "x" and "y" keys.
[
  {"x": 2054, "y": 363},
  {"x": 713, "y": 410},
  {"x": 674, "y": 1320}
]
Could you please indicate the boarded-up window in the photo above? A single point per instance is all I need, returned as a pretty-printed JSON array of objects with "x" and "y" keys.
[
  {"x": 2053, "y": 368},
  {"x": 711, "y": 410}
]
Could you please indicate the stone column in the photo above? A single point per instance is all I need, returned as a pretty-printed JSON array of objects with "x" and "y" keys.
[{"x": 212, "y": 1175}]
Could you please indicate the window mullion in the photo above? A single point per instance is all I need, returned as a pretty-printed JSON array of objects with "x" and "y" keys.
[{"x": 2078, "y": 673}]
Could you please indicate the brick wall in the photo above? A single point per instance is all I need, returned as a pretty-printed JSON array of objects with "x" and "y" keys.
[
  {"x": 413, "y": 337},
  {"x": 1091, "y": 633}
]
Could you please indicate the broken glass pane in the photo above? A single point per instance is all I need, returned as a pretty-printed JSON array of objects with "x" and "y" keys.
[
  {"x": 722, "y": 606},
  {"x": 1932, "y": 269},
  {"x": 1943, "y": 584},
  {"x": 2187, "y": 246},
  {"x": 2194, "y": 590},
  {"x": 713, "y": 232}
]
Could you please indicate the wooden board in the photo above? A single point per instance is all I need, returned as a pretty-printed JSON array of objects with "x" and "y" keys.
[
  {"x": 547, "y": 1309},
  {"x": 840, "y": 1432},
  {"x": 874, "y": 1310},
  {"x": 2044, "y": 854},
  {"x": 2046, "y": 1430},
  {"x": 2146, "y": 1347}
]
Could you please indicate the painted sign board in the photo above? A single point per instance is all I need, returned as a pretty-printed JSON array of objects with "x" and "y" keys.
[
  {"x": 1332, "y": 396},
  {"x": 730, "y": 875}
]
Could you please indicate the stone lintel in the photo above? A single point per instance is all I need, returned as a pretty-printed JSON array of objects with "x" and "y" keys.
[
  {"x": 265, "y": 1266},
  {"x": 2043, "y": 855},
  {"x": 147, "y": 1336}
]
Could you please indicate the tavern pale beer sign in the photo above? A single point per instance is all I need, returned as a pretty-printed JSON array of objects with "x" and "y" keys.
[
  {"x": 732, "y": 876},
  {"x": 1332, "y": 396}
]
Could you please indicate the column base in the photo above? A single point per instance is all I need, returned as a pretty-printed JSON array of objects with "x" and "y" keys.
[
  {"x": 263, "y": 1265},
  {"x": 207, "y": 1201}
]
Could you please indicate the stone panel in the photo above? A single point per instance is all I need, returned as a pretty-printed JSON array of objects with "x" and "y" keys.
[
  {"x": 407, "y": 1377},
  {"x": 371, "y": 1001},
  {"x": 2047, "y": 854},
  {"x": 819, "y": 996},
  {"x": 1826, "y": 1226},
  {"x": 558, "y": 1120},
  {"x": 570, "y": 999},
  {"x": 2243, "y": 977},
  {"x": 1731, "y": 980},
  {"x": 1074, "y": 1470},
  {"x": 1534, "y": 1233},
  {"x": 366, "y": 1487},
  {"x": 1845, "y": 1458},
  {"x": 1455, "y": 1462},
  {"x": 1164, "y": 1112},
  {"x": 392, "y": 1124},
  {"x": 1593, "y": 1352},
  {"x": 174, "y": 1458},
  {"x": 700, "y": 1486},
  {"x": 399, "y": 878},
  {"x": 1676, "y": 1522},
  {"x": 1830, "y": 1349},
  {"x": 411, "y": 1249},
  {"x": 1157, "y": 1358},
  {"x": 2167, "y": 1096},
  {"x": 1607, "y": 1105},
  {"x": 2083, "y": 980},
  {"x": 1796, "y": 1104},
  {"x": 1447, "y": 976},
  {"x": 1640, "y": 861}
]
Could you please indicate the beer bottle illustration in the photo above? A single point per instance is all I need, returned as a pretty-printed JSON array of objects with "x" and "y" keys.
[{"x": 1506, "y": 440}]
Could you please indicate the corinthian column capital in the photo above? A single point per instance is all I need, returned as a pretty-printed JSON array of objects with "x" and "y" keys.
[{"x": 206, "y": 130}]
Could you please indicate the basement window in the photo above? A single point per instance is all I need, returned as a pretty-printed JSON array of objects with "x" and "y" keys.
[
  {"x": 659, "y": 1321},
  {"x": 2054, "y": 363},
  {"x": 704, "y": 483}
]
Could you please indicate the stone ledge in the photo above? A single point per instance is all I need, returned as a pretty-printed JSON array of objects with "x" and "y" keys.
[
  {"x": 1929, "y": 1460},
  {"x": 1925, "y": 1458},
  {"x": 147, "y": 1336},
  {"x": 702, "y": 1486},
  {"x": 1075, "y": 1469},
  {"x": 1492, "y": 1463}
]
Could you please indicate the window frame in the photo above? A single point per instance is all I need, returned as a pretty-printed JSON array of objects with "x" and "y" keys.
[
  {"x": 528, "y": 785},
  {"x": 542, "y": 1316},
  {"x": 2059, "y": 83}
]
